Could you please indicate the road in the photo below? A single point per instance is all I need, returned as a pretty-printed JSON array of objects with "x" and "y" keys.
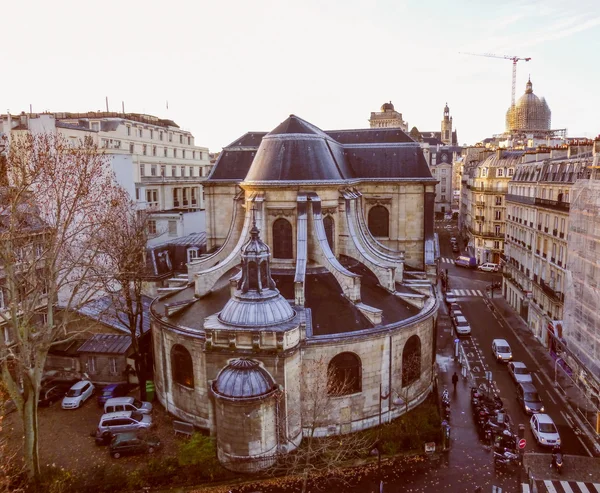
[{"x": 487, "y": 325}]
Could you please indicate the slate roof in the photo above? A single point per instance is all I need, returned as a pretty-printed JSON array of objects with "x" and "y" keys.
[
  {"x": 106, "y": 343},
  {"x": 103, "y": 310},
  {"x": 296, "y": 150}
]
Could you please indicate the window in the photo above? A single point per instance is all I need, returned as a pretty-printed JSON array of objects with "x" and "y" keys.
[
  {"x": 144, "y": 149},
  {"x": 183, "y": 153},
  {"x": 511, "y": 171},
  {"x": 562, "y": 225},
  {"x": 192, "y": 253},
  {"x": 496, "y": 245},
  {"x": 191, "y": 171},
  {"x": 141, "y": 130},
  {"x": 194, "y": 197},
  {"x": 162, "y": 170},
  {"x": 95, "y": 126},
  {"x": 154, "y": 150},
  {"x": 91, "y": 364},
  {"x": 128, "y": 130},
  {"x": 497, "y": 230},
  {"x": 104, "y": 143},
  {"x": 175, "y": 197},
  {"x": 379, "y": 221},
  {"x": 484, "y": 172},
  {"x": 142, "y": 170},
  {"x": 411, "y": 361},
  {"x": 443, "y": 171},
  {"x": 181, "y": 139},
  {"x": 443, "y": 189},
  {"x": 152, "y": 196},
  {"x": 182, "y": 169},
  {"x": 160, "y": 135},
  {"x": 329, "y": 230},
  {"x": 498, "y": 200},
  {"x": 189, "y": 140},
  {"x": 193, "y": 154},
  {"x": 131, "y": 148},
  {"x": 344, "y": 374},
  {"x": 151, "y": 133},
  {"x": 113, "y": 366},
  {"x": 182, "y": 368},
  {"x": 500, "y": 172},
  {"x": 443, "y": 199},
  {"x": 173, "y": 170},
  {"x": 153, "y": 170},
  {"x": 137, "y": 194},
  {"x": 282, "y": 239},
  {"x": 170, "y": 137},
  {"x": 185, "y": 196},
  {"x": 498, "y": 215},
  {"x": 165, "y": 152},
  {"x": 172, "y": 228},
  {"x": 151, "y": 227},
  {"x": 174, "y": 152}
]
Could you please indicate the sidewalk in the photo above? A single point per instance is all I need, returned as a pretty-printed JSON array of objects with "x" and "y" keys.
[{"x": 546, "y": 363}]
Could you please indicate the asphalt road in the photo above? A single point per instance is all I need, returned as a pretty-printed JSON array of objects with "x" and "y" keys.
[{"x": 487, "y": 325}]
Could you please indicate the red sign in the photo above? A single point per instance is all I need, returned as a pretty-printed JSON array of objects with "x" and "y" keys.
[{"x": 522, "y": 443}]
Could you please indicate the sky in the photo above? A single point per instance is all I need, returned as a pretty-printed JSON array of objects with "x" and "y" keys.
[{"x": 221, "y": 68}]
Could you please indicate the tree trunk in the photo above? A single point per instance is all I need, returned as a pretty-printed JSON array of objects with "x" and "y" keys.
[
  {"x": 140, "y": 369},
  {"x": 30, "y": 436}
]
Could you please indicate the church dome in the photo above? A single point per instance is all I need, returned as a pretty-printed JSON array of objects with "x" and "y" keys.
[
  {"x": 243, "y": 378},
  {"x": 529, "y": 113},
  {"x": 387, "y": 106},
  {"x": 298, "y": 151},
  {"x": 254, "y": 309}
]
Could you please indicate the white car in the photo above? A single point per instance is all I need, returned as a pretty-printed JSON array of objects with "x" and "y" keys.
[
  {"x": 544, "y": 430},
  {"x": 78, "y": 394},
  {"x": 519, "y": 372},
  {"x": 488, "y": 267},
  {"x": 450, "y": 297},
  {"x": 461, "y": 325},
  {"x": 501, "y": 350}
]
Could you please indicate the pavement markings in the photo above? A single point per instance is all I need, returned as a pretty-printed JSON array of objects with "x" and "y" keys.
[
  {"x": 567, "y": 418},
  {"x": 558, "y": 486},
  {"x": 597, "y": 486},
  {"x": 525, "y": 488},
  {"x": 549, "y": 486},
  {"x": 585, "y": 447},
  {"x": 566, "y": 487},
  {"x": 582, "y": 487}
]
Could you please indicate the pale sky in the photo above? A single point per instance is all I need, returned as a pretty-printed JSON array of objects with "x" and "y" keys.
[{"x": 228, "y": 67}]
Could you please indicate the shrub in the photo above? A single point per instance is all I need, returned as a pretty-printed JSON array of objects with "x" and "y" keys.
[{"x": 200, "y": 453}]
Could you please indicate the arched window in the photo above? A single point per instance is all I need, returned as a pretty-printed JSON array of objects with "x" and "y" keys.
[
  {"x": 282, "y": 239},
  {"x": 344, "y": 374},
  {"x": 411, "y": 361},
  {"x": 252, "y": 275},
  {"x": 379, "y": 221},
  {"x": 182, "y": 368},
  {"x": 329, "y": 230}
]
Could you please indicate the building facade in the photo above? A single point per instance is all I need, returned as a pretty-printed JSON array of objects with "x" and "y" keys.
[{"x": 388, "y": 117}]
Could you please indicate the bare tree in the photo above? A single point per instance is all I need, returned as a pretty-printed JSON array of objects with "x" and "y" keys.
[
  {"x": 321, "y": 455},
  {"x": 122, "y": 269},
  {"x": 59, "y": 197},
  {"x": 411, "y": 376}
]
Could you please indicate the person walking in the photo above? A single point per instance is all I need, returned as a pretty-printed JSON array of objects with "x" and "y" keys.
[{"x": 454, "y": 381}]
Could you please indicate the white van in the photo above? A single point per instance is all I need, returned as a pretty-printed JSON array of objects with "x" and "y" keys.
[
  {"x": 501, "y": 350},
  {"x": 488, "y": 267},
  {"x": 120, "y": 404}
]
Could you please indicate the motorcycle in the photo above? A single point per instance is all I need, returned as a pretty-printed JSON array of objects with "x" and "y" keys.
[
  {"x": 557, "y": 460},
  {"x": 506, "y": 458}
]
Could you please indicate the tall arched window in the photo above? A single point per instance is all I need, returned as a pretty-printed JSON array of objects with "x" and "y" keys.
[
  {"x": 411, "y": 361},
  {"x": 182, "y": 368},
  {"x": 344, "y": 374},
  {"x": 379, "y": 221},
  {"x": 252, "y": 275},
  {"x": 282, "y": 239},
  {"x": 329, "y": 230}
]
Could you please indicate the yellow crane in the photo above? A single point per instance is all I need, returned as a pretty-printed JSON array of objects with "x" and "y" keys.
[{"x": 514, "y": 59}]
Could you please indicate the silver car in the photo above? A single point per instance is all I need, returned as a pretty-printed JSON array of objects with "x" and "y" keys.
[
  {"x": 78, "y": 394},
  {"x": 123, "y": 421},
  {"x": 519, "y": 372}
]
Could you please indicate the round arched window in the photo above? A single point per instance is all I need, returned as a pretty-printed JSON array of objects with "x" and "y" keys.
[
  {"x": 344, "y": 374},
  {"x": 379, "y": 221},
  {"x": 282, "y": 239},
  {"x": 411, "y": 361},
  {"x": 182, "y": 368},
  {"x": 329, "y": 230}
]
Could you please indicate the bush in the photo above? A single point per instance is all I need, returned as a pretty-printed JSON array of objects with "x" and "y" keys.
[
  {"x": 57, "y": 480},
  {"x": 200, "y": 453}
]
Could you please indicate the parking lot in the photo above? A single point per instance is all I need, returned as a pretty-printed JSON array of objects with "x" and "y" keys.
[{"x": 65, "y": 439}]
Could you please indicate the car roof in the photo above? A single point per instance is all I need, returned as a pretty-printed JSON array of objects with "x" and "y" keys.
[
  {"x": 518, "y": 364},
  {"x": 500, "y": 341},
  {"x": 123, "y": 437},
  {"x": 528, "y": 387},
  {"x": 119, "y": 400},
  {"x": 119, "y": 414},
  {"x": 78, "y": 385},
  {"x": 544, "y": 418},
  {"x": 460, "y": 318}
]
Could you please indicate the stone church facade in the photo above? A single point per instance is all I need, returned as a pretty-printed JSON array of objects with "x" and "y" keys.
[{"x": 319, "y": 276}]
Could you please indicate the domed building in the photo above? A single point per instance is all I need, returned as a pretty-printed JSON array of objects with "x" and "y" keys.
[
  {"x": 319, "y": 282},
  {"x": 388, "y": 117},
  {"x": 529, "y": 114}
]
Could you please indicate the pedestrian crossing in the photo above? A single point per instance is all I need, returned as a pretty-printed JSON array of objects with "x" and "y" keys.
[
  {"x": 557, "y": 486},
  {"x": 446, "y": 260},
  {"x": 467, "y": 292}
]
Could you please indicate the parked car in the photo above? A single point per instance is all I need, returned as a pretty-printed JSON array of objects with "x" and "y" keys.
[
  {"x": 461, "y": 325},
  {"x": 529, "y": 398},
  {"x": 544, "y": 430},
  {"x": 501, "y": 350},
  {"x": 119, "y": 404},
  {"x": 464, "y": 261},
  {"x": 130, "y": 443},
  {"x": 488, "y": 267},
  {"x": 455, "y": 310},
  {"x": 52, "y": 392},
  {"x": 519, "y": 372},
  {"x": 123, "y": 421},
  {"x": 78, "y": 394},
  {"x": 450, "y": 297},
  {"x": 111, "y": 391}
]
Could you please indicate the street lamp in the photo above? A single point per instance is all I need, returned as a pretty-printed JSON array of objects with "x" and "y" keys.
[{"x": 377, "y": 451}]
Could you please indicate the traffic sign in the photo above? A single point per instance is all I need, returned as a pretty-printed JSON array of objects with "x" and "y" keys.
[{"x": 522, "y": 443}]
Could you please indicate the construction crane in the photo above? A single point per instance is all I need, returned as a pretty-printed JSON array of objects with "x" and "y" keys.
[{"x": 514, "y": 59}]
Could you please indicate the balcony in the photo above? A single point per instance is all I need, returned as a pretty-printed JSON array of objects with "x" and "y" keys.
[
  {"x": 487, "y": 234},
  {"x": 502, "y": 190},
  {"x": 553, "y": 260},
  {"x": 537, "y": 251},
  {"x": 480, "y": 203},
  {"x": 479, "y": 218},
  {"x": 553, "y": 204},
  {"x": 531, "y": 224},
  {"x": 556, "y": 296},
  {"x": 156, "y": 180},
  {"x": 555, "y": 232},
  {"x": 545, "y": 255},
  {"x": 520, "y": 199},
  {"x": 539, "y": 227},
  {"x": 561, "y": 235},
  {"x": 546, "y": 229}
]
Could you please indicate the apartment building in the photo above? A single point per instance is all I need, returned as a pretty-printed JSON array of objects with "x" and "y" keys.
[
  {"x": 483, "y": 209},
  {"x": 155, "y": 160},
  {"x": 538, "y": 202}
]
